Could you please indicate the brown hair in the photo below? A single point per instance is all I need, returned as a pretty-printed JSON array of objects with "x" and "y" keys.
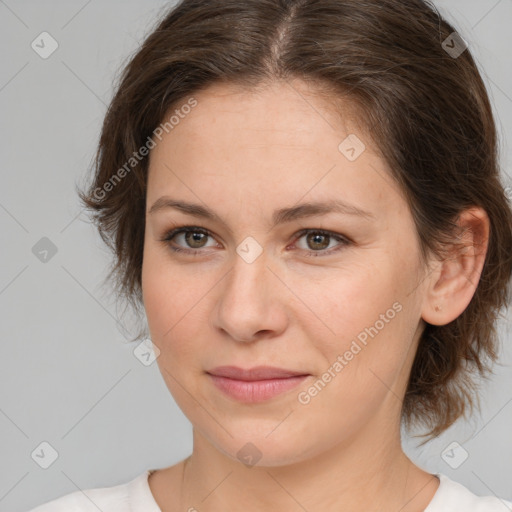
[{"x": 426, "y": 109}]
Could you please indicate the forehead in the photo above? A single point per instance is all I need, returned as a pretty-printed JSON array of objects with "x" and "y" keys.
[
  {"x": 275, "y": 144},
  {"x": 289, "y": 112}
]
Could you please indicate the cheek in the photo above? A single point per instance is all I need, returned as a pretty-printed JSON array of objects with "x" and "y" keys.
[
  {"x": 366, "y": 321},
  {"x": 345, "y": 301},
  {"x": 169, "y": 298},
  {"x": 364, "y": 368},
  {"x": 173, "y": 325},
  {"x": 373, "y": 323}
]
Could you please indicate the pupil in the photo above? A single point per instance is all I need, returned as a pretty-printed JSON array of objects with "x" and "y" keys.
[
  {"x": 319, "y": 236},
  {"x": 196, "y": 237}
]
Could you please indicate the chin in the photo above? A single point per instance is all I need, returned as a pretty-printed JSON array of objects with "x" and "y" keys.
[{"x": 256, "y": 450}]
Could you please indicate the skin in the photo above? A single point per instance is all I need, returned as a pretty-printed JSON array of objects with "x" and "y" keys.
[{"x": 244, "y": 154}]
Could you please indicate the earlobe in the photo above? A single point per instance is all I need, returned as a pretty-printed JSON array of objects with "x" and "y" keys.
[{"x": 452, "y": 285}]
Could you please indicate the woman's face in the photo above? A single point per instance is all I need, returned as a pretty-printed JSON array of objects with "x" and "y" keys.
[{"x": 343, "y": 308}]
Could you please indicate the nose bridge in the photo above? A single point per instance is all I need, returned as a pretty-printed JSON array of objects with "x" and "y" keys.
[
  {"x": 247, "y": 303},
  {"x": 248, "y": 279}
]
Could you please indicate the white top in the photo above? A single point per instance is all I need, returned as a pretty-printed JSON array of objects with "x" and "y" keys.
[{"x": 136, "y": 496}]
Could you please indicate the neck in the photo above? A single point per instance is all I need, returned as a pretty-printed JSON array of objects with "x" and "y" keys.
[{"x": 355, "y": 475}]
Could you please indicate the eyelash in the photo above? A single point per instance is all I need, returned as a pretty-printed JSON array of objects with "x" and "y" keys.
[{"x": 193, "y": 252}]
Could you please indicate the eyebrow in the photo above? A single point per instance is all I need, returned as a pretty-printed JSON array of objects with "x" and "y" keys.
[{"x": 280, "y": 216}]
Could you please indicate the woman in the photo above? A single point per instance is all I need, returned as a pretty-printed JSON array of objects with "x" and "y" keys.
[{"x": 305, "y": 198}]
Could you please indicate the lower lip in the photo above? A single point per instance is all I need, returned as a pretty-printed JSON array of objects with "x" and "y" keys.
[{"x": 256, "y": 390}]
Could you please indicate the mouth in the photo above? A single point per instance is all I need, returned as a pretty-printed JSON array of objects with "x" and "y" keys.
[{"x": 256, "y": 384}]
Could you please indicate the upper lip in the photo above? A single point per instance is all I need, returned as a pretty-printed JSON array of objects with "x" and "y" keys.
[{"x": 256, "y": 373}]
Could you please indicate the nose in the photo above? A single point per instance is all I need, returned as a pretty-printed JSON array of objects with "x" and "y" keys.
[{"x": 251, "y": 301}]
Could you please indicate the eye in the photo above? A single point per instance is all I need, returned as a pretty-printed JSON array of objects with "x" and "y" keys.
[
  {"x": 319, "y": 239},
  {"x": 196, "y": 237}
]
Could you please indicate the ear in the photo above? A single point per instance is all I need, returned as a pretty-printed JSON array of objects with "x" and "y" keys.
[{"x": 453, "y": 282}]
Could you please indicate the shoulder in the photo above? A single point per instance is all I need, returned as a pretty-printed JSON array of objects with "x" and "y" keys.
[
  {"x": 118, "y": 498},
  {"x": 454, "y": 497}
]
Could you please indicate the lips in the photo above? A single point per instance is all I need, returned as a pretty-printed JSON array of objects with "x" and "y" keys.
[
  {"x": 256, "y": 384},
  {"x": 256, "y": 373}
]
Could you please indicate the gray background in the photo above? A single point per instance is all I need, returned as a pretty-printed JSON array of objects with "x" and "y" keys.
[{"x": 67, "y": 375}]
